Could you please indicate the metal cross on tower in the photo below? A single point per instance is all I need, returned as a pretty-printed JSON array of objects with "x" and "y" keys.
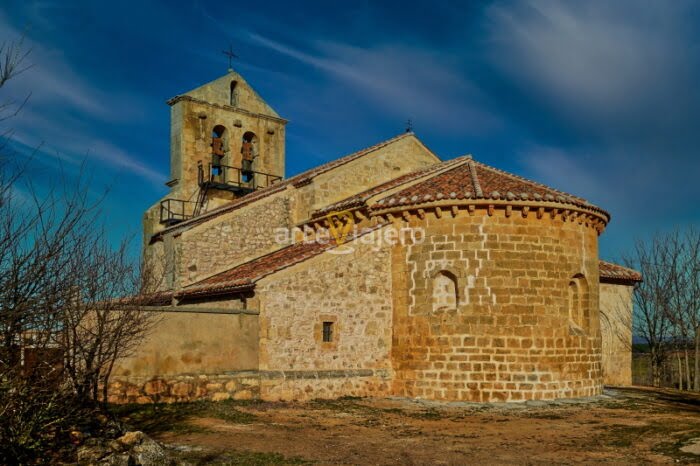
[
  {"x": 409, "y": 126},
  {"x": 229, "y": 53}
]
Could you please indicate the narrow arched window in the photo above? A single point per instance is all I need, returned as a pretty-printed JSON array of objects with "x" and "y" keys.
[
  {"x": 444, "y": 290},
  {"x": 578, "y": 301},
  {"x": 233, "y": 96},
  {"x": 574, "y": 302}
]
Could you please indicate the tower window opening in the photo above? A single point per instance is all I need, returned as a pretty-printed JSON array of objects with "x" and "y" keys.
[
  {"x": 249, "y": 152},
  {"x": 217, "y": 149},
  {"x": 233, "y": 96}
]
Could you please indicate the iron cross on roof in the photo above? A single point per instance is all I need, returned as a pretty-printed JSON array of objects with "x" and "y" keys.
[{"x": 229, "y": 53}]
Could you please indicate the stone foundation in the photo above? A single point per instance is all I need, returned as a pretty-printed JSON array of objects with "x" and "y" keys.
[
  {"x": 306, "y": 385},
  {"x": 249, "y": 385}
]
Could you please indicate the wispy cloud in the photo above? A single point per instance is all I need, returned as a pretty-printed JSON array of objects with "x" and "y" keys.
[
  {"x": 51, "y": 80},
  {"x": 398, "y": 80},
  {"x": 68, "y": 143},
  {"x": 605, "y": 67},
  {"x": 61, "y": 105},
  {"x": 565, "y": 171},
  {"x": 611, "y": 91}
]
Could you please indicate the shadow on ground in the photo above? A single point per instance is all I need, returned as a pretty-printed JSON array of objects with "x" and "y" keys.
[{"x": 626, "y": 425}]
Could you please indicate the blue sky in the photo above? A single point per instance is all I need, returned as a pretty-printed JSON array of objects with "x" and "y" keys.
[{"x": 600, "y": 99}]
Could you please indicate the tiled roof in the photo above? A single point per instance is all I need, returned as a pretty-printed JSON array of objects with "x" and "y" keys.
[
  {"x": 297, "y": 180},
  {"x": 245, "y": 275},
  {"x": 614, "y": 273},
  {"x": 361, "y": 198},
  {"x": 474, "y": 180}
]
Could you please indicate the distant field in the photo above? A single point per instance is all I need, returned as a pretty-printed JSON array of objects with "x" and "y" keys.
[{"x": 641, "y": 370}]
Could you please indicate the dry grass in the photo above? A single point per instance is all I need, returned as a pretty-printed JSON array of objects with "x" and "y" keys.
[{"x": 631, "y": 426}]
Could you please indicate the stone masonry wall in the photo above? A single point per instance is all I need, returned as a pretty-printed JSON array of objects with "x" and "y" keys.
[
  {"x": 249, "y": 232},
  {"x": 246, "y": 385},
  {"x": 389, "y": 162},
  {"x": 510, "y": 336},
  {"x": 616, "y": 332},
  {"x": 231, "y": 239},
  {"x": 351, "y": 291},
  {"x": 185, "y": 387},
  {"x": 219, "y": 91},
  {"x": 154, "y": 263}
]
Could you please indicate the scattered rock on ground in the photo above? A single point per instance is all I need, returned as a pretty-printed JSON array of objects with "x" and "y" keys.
[
  {"x": 150, "y": 453},
  {"x": 692, "y": 447},
  {"x": 131, "y": 449},
  {"x": 131, "y": 438}
]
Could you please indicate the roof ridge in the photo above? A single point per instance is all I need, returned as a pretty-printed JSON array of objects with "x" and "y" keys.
[
  {"x": 431, "y": 171},
  {"x": 475, "y": 178},
  {"x": 427, "y": 171},
  {"x": 478, "y": 181},
  {"x": 448, "y": 170}
]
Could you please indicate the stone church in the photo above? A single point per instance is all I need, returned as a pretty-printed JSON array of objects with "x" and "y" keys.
[{"x": 385, "y": 272}]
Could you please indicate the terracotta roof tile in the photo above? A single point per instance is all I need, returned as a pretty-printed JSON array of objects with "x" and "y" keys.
[
  {"x": 361, "y": 198},
  {"x": 245, "y": 275},
  {"x": 614, "y": 273},
  {"x": 494, "y": 180},
  {"x": 297, "y": 180},
  {"x": 475, "y": 180}
]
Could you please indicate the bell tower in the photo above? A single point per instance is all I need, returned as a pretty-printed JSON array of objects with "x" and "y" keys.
[{"x": 225, "y": 142}]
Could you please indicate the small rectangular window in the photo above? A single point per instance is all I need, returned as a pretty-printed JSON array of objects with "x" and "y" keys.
[{"x": 327, "y": 332}]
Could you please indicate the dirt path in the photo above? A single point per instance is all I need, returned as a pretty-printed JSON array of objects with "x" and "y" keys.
[{"x": 627, "y": 426}]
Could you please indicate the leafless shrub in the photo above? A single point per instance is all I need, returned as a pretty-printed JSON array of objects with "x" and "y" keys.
[
  {"x": 667, "y": 302},
  {"x": 63, "y": 317}
]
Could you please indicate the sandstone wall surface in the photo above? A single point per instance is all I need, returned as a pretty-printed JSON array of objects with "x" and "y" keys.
[
  {"x": 195, "y": 136},
  {"x": 231, "y": 239},
  {"x": 194, "y": 343},
  {"x": 391, "y": 161},
  {"x": 511, "y": 336},
  {"x": 247, "y": 385},
  {"x": 219, "y": 92},
  {"x": 616, "y": 331},
  {"x": 353, "y": 292}
]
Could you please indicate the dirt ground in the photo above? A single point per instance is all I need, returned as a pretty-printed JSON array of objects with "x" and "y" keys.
[{"x": 631, "y": 425}]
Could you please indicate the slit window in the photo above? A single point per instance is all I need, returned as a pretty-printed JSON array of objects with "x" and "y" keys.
[
  {"x": 327, "y": 332},
  {"x": 233, "y": 96},
  {"x": 578, "y": 302}
]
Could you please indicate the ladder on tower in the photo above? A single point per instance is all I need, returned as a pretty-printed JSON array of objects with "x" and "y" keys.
[{"x": 201, "y": 199}]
